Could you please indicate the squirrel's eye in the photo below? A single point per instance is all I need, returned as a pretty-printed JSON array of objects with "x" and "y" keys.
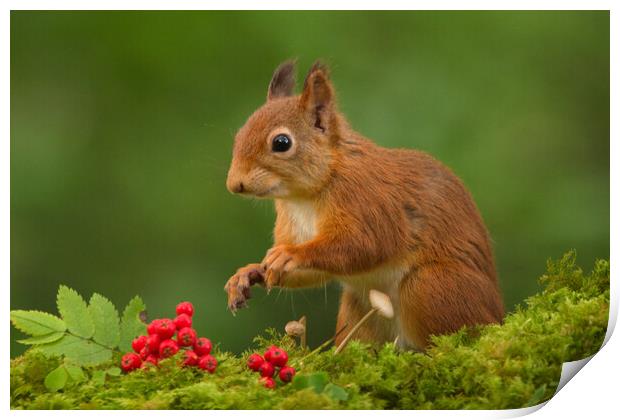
[{"x": 281, "y": 143}]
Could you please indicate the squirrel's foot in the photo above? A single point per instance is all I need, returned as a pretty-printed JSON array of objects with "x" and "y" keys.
[
  {"x": 238, "y": 286},
  {"x": 279, "y": 261}
]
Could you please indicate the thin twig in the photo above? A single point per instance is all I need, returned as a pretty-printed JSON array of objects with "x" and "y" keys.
[{"x": 354, "y": 330}]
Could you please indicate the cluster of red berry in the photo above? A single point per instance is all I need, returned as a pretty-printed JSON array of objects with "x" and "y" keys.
[
  {"x": 266, "y": 365},
  {"x": 159, "y": 344}
]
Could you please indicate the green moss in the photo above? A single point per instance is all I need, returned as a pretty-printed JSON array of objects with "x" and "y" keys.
[{"x": 512, "y": 365}]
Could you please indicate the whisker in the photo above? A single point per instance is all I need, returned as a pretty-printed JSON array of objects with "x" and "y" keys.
[
  {"x": 305, "y": 297},
  {"x": 293, "y": 306},
  {"x": 325, "y": 292},
  {"x": 279, "y": 293}
]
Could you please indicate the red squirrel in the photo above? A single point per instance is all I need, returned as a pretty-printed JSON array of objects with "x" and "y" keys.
[{"x": 395, "y": 220}]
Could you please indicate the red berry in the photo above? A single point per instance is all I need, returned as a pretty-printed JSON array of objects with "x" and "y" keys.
[
  {"x": 278, "y": 357},
  {"x": 202, "y": 346},
  {"x": 168, "y": 348},
  {"x": 267, "y": 382},
  {"x": 287, "y": 373},
  {"x": 138, "y": 343},
  {"x": 144, "y": 353},
  {"x": 183, "y": 321},
  {"x": 165, "y": 328},
  {"x": 130, "y": 361},
  {"x": 255, "y": 361},
  {"x": 152, "y": 327},
  {"x": 208, "y": 363},
  {"x": 152, "y": 343},
  {"x": 269, "y": 352},
  {"x": 266, "y": 370},
  {"x": 191, "y": 358},
  {"x": 185, "y": 308},
  {"x": 186, "y": 337},
  {"x": 151, "y": 360}
]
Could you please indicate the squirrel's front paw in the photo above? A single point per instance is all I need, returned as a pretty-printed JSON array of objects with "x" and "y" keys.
[
  {"x": 238, "y": 286},
  {"x": 279, "y": 261}
]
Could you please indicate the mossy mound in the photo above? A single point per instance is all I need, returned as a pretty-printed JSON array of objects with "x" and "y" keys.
[{"x": 513, "y": 365}]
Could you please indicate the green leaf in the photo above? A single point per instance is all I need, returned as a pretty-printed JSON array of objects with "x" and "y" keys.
[
  {"x": 114, "y": 371},
  {"x": 99, "y": 377},
  {"x": 335, "y": 392},
  {"x": 56, "y": 379},
  {"x": 105, "y": 319},
  {"x": 131, "y": 324},
  {"x": 316, "y": 381},
  {"x": 37, "y": 323},
  {"x": 42, "y": 339},
  {"x": 74, "y": 311},
  {"x": 77, "y": 350},
  {"x": 75, "y": 373}
]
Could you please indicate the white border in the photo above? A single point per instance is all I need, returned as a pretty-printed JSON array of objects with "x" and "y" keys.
[{"x": 594, "y": 390}]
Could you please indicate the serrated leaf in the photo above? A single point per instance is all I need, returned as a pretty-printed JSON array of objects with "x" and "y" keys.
[
  {"x": 105, "y": 319},
  {"x": 78, "y": 350},
  {"x": 99, "y": 377},
  {"x": 42, "y": 339},
  {"x": 56, "y": 379},
  {"x": 335, "y": 392},
  {"x": 37, "y": 323},
  {"x": 131, "y": 324},
  {"x": 75, "y": 373},
  {"x": 59, "y": 347},
  {"x": 88, "y": 353},
  {"x": 113, "y": 371},
  {"x": 75, "y": 313}
]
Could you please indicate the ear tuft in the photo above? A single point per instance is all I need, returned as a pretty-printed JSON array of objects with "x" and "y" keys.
[
  {"x": 317, "y": 69},
  {"x": 283, "y": 81},
  {"x": 318, "y": 96}
]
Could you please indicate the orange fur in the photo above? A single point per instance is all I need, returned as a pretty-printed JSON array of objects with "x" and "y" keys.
[{"x": 392, "y": 219}]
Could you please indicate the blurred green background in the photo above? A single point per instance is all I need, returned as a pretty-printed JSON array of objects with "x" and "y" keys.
[{"x": 122, "y": 126}]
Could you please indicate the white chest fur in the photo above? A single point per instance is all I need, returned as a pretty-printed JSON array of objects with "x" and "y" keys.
[{"x": 303, "y": 219}]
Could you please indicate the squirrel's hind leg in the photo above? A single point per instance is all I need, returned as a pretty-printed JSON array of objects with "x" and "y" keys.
[{"x": 440, "y": 298}]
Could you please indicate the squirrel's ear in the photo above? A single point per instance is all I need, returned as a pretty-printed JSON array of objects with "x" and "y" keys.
[
  {"x": 317, "y": 98},
  {"x": 283, "y": 81}
]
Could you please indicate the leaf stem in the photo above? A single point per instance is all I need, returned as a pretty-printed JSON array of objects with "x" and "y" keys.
[{"x": 93, "y": 341}]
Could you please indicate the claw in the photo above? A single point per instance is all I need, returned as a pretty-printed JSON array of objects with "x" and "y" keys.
[
  {"x": 255, "y": 277},
  {"x": 237, "y": 304}
]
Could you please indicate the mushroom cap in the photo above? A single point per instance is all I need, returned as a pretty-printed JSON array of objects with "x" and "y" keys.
[
  {"x": 382, "y": 303},
  {"x": 295, "y": 328}
]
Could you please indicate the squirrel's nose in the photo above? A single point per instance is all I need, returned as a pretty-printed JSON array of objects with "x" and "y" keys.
[
  {"x": 234, "y": 181},
  {"x": 238, "y": 188},
  {"x": 235, "y": 186}
]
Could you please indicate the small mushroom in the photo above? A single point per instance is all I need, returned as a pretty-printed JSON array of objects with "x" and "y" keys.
[
  {"x": 297, "y": 329},
  {"x": 380, "y": 303}
]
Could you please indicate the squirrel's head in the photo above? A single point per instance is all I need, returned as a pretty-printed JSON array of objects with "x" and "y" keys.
[{"x": 285, "y": 148}]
